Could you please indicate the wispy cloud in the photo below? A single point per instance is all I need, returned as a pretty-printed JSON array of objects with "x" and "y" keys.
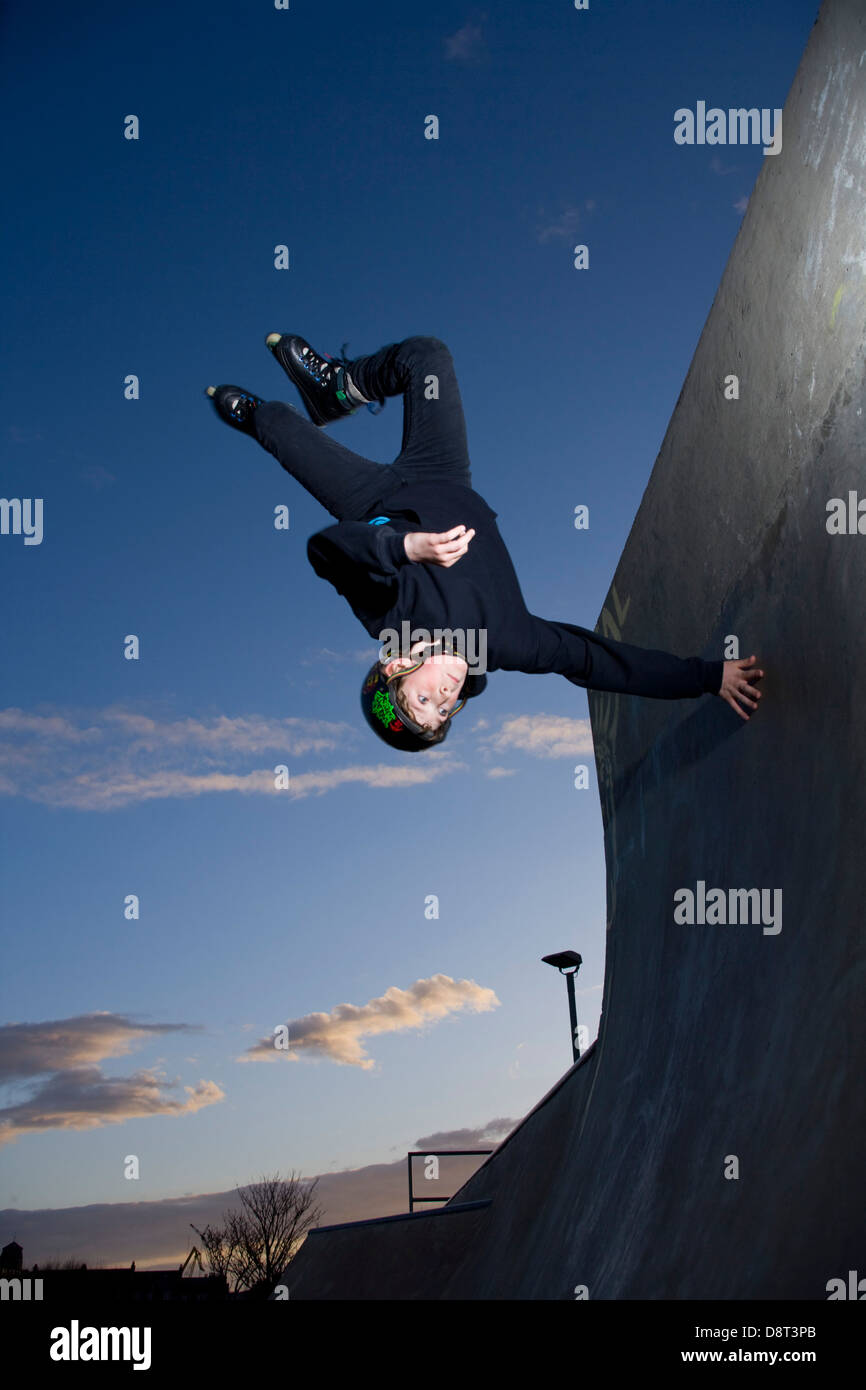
[
  {"x": 324, "y": 656},
  {"x": 482, "y": 1137},
  {"x": 87, "y": 1099},
  {"x": 97, "y": 477},
  {"x": 32, "y": 1049},
  {"x": 543, "y": 735},
  {"x": 466, "y": 44},
  {"x": 22, "y": 434},
  {"x": 74, "y": 1093},
  {"x": 144, "y": 733},
  {"x": 338, "y": 1036},
  {"x": 107, "y": 759},
  {"x": 380, "y": 775},
  {"x": 562, "y": 226}
]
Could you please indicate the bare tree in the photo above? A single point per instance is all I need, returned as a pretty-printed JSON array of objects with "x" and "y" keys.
[
  {"x": 257, "y": 1241},
  {"x": 216, "y": 1249}
]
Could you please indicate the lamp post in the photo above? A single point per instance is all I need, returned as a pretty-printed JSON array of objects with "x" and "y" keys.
[{"x": 568, "y": 963}]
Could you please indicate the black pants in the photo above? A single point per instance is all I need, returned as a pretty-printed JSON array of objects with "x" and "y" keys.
[{"x": 434, "y": 444}]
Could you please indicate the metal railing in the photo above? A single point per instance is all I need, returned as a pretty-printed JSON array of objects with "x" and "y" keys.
[{"x": 435, "y": 1153}]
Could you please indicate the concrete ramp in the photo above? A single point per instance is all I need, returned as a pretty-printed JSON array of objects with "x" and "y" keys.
[
  {"x": 408, "y": 1256},
  {"x": 713, "y": 1143}
]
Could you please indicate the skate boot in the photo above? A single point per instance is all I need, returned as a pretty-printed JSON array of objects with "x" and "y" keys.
[
  {"x": 326, "y": 388},
  {"x": 236, "y": 406}
]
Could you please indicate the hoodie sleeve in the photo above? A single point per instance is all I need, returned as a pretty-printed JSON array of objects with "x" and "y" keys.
[
  {"x": 598, "y": 663},
  {"x": 361, "y": 561}
]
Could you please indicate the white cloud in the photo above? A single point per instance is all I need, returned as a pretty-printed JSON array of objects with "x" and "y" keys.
[
  {"x": 338, "y": 1036},
  {"x": 119, "y": 757},
  {"x": 565, "y": 225},
  {"x": 561, "y": 228},
  {"x": 54, "y": 727},
  {"x": 543, "y": 735},
  {"x": 376, "y": 775},
  {"x": 116, "y": 757},
  {"x": 324, "y": 656}
]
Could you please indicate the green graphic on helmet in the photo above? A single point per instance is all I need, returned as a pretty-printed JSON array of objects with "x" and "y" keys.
[{"x": 382, "y": 707}]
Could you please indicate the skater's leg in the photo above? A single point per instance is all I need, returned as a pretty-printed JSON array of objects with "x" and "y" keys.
[
  {"x": 421, "y": 370},
  {"x": 345, "y": 483}
]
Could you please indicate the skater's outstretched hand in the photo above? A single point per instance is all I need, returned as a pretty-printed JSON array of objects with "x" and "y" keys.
[
  {"x": 738, "y": 678},
  {"x": 437, "y": 547}
]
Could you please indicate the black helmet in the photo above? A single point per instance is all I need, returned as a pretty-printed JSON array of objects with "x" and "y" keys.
[{"x": 391, "y": 723}]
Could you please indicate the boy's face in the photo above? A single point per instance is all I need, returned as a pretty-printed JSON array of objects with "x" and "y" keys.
[{"x": 433, "y": 690}]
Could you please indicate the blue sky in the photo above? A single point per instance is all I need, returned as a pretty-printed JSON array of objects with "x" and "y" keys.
[{"x": 155, "y": 257}]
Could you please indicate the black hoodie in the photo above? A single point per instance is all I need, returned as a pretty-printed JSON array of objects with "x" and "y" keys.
[{"x": 367, "y": 564}]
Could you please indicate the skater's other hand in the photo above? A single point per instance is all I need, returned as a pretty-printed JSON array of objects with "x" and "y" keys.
[
  {"x": 738, "y": 684},
  {"x": 437, "y": 547}
]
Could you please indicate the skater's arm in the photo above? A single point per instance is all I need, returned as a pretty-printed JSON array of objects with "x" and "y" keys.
[
  {"x": 598, "y": 663},
  {"x": 361, "y": 562},
  {"x": 356, "y": 546},
  {"x": 356, "y": 552}
]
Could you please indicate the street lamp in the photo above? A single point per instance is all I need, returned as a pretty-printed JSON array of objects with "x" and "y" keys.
[{"x": 568, "y": 963}]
